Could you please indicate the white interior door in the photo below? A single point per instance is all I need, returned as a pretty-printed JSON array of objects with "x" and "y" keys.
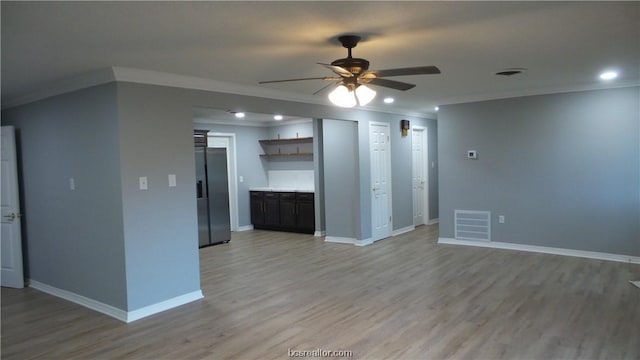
[
  {"x": 380, "y": 180},
  {"x": 227, "y": 141},
  {"x": 11, "y": 238},
  {"x": 420, "y": 179}
]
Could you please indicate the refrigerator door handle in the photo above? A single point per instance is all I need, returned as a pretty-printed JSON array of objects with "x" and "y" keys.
[{"x": 199, "y": 189}]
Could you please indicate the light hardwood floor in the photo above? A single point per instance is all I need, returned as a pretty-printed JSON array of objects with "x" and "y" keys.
[{"x": 404, "y": 297}]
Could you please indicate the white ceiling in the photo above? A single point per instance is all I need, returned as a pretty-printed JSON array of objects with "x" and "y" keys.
[{"x": 564, "y": 45}]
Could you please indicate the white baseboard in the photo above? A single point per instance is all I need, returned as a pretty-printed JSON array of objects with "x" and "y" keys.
[
  {"x": 245, "y": 228},
  {"x": 403, "y": 230},
  {"x": 339, "y": 240},
  {"x": 164, "y": 305},
  {"x": 544, "y": 250},
  {"x": 363, "y": 242},
  {"x": 112, "y": 311},
  {"x": 346, "y": 240},
  {"x": 433, "y": 221},
  {"x": 319, "y": 233},
  {"x": 80, "y": 300}
]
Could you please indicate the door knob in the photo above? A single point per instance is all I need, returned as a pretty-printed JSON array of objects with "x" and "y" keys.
[
  {"x": 11, "y": 216},
  {"x": 375, "y": 188}
]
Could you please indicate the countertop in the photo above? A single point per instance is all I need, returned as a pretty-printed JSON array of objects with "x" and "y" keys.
[{"x": 280, "y": 189}]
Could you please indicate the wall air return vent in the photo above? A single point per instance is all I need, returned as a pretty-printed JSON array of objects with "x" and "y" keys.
[{"x": 472, "y": 225}]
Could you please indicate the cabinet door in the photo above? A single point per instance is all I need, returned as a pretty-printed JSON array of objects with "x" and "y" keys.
[
  {"x": 306, "y": 219},
  {"x": 288, "y": 210},
  {"x": 272, "y": 209},
  {"x": 257, "y": 208}
]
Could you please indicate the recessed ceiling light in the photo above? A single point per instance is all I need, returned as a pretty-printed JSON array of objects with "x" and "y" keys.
[
  {"x": 239, "y": 115},
  {"x": 608, "y": 75},
  {"x": 389, "y": 100},
  {"x": 436, "y": 108},
  {"x": 277, "y": 117}
]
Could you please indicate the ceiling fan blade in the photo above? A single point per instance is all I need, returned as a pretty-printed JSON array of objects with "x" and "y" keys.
[
  {"x": 338, "y": 70},
  {"x": 301, "y": 79},
  {"x": 420, "y": 70},
  {"x": 325, "y": 88},
  {"x": 390, "y": 84}
]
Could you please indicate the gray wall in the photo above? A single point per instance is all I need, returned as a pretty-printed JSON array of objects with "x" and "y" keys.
[
  {"x": 564, "y": 169},
  {"x": 160, "y": 224},
  {"x": 318, "y": 174},
  {"x": 73, "y": 239},
  {"x": 402, "y": 171},
  {"x": 340, "y": 163},
  {"x": 291, "y": 131}
]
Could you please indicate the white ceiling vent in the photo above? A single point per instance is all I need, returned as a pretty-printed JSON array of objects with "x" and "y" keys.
[{"x": 472, "y": 225}]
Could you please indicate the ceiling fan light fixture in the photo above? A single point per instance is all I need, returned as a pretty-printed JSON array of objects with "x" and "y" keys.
[
  {"x": 364, "y": 95},
  {"x": 341, "y": 96},
  {"x": 344, "y": 97}
]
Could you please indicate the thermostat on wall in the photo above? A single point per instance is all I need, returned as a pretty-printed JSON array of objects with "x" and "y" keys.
[{"x": 472, "y": 154}]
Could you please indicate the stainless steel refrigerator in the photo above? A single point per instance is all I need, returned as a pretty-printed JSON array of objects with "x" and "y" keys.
[{"x": 212, "y": 190}]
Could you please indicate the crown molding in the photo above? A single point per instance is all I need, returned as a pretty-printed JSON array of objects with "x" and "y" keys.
[
  {"x": 151, "y": 77},
  {"x": 67, "y": 85},
  {"x": 546, "y": 90}
]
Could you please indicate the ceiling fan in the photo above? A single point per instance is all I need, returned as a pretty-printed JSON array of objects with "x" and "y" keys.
[{"x": 354, "y": 75}]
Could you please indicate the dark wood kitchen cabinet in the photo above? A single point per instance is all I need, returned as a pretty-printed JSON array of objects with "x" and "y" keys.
[
  {"x": 271, "y": 209},
  {"x": 288, "y": 210},
  {"x": 257, "y": 208},
  {"x": 283, "y": 211},
  {"x": 305, "y": 212}
]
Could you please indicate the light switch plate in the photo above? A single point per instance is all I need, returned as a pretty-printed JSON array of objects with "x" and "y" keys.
[
  {"x": 172, "y": 180},
  {"x": 143, "y": 183}
]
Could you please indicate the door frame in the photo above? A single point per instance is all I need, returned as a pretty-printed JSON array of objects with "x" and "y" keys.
[
  {"x": 232, "y": 174},
  {"x": 388, "y": 178},
  {"x": 425, "y": 168}
]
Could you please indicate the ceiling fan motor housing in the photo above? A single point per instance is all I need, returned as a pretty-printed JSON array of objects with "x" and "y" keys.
[{"x": 354, "y": 65}]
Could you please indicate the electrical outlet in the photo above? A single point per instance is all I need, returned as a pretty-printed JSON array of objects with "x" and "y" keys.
[
  {"x": 241, "y": 178},
  {"x": 72, "y": 184},
  {"x": 501, "y": 219}
]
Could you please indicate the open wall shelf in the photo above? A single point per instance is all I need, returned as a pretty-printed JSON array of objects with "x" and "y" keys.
[
  {"x": 286, "y": 141},
  {"x": 287, "y": 155},
  {"x": 287, "y": 149}
]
